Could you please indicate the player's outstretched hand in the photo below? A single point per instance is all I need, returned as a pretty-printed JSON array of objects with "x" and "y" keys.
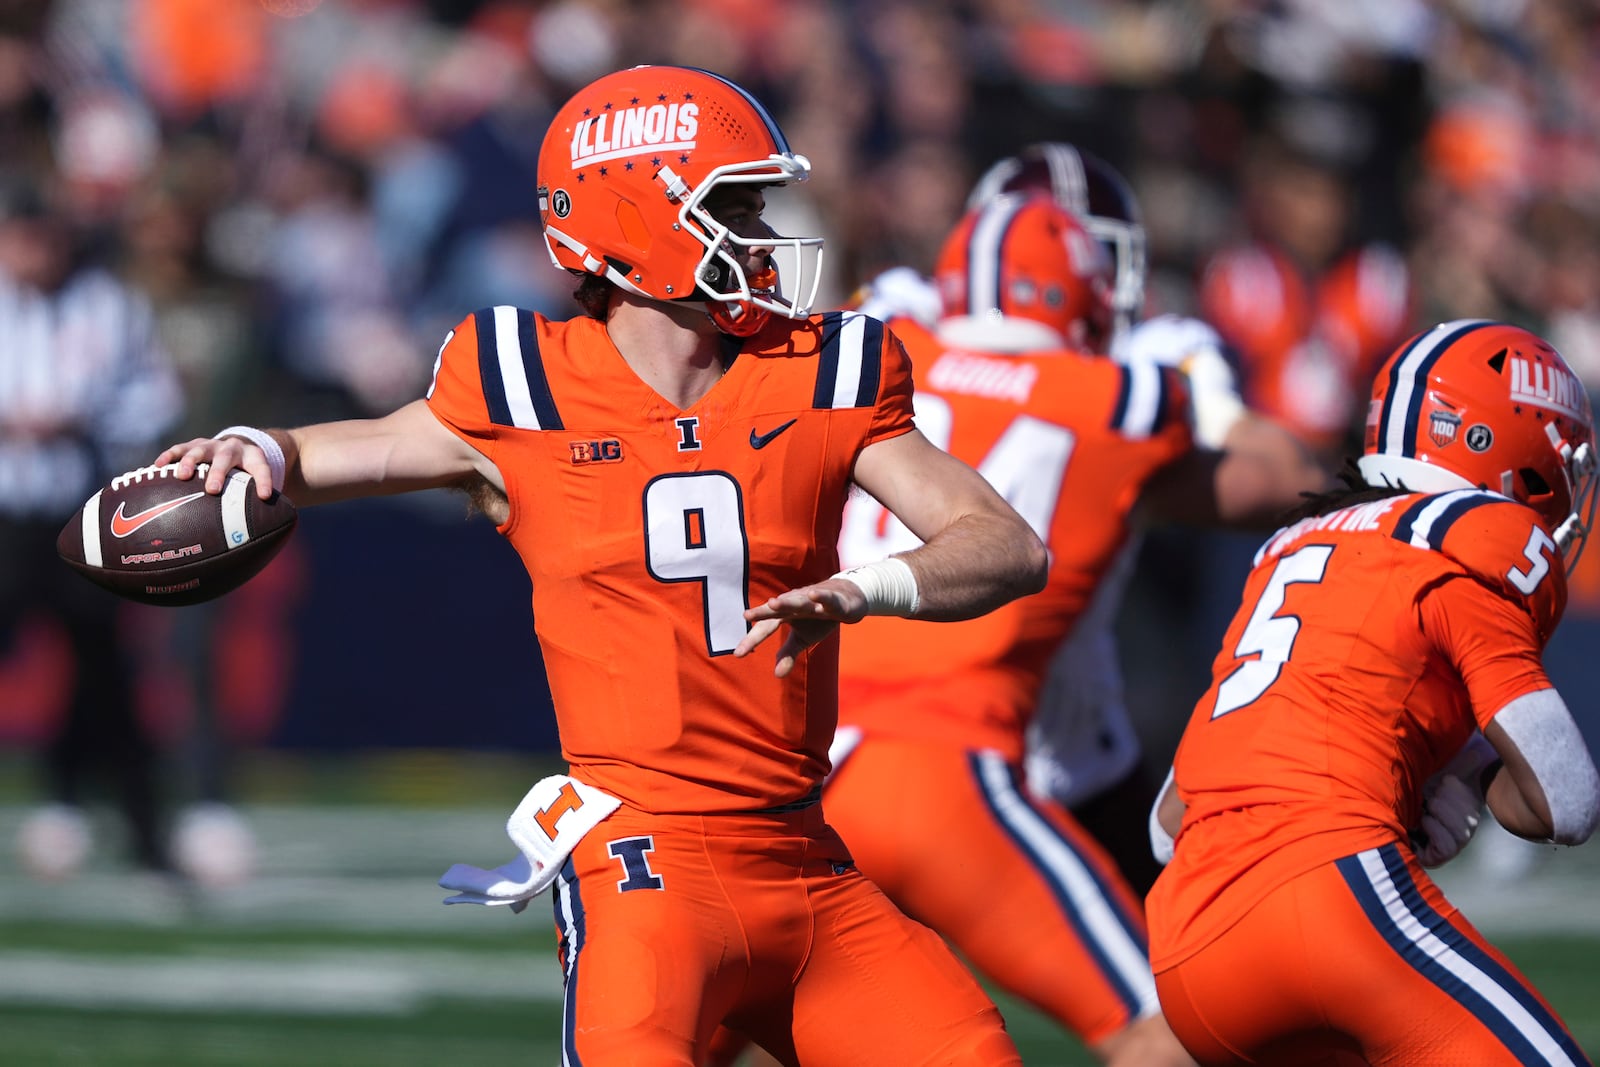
[
  {"x": 222, "y": 456},
  {"x": 812, "y": 612}
]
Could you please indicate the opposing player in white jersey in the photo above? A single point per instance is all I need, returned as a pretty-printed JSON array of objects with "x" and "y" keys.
[{"x": 1083, "y": 749}]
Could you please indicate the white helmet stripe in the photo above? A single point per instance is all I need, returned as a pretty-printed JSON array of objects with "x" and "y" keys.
[
  {"x": 1067, "y": 179},
  {"x": 1408, "y": 380},
  {"x": 983, "y": 253}
]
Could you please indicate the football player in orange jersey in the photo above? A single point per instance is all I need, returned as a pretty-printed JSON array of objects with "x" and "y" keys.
[
  {"x": 1384, "y": 666},
  {"x": 927, "y": 784},
  {"x": 672, "y": 471},
  {"x": 1083, "y": 749}
]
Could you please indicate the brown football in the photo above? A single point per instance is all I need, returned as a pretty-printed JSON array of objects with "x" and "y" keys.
[{"x": 152, "y": 538}]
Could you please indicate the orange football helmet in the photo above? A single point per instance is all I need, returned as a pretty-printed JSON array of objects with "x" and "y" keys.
[
  {"x": 1480, "y": 404},
  {"x": 1092, "y": 190},
  {"x": 624, "y": 173},
  {"x": 1021, "y": 273}
]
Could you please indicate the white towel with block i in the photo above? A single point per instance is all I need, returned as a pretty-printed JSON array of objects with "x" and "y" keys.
[{"x": 545, "y": 827}]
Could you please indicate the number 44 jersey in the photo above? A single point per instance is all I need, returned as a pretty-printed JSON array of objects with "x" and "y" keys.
[
  {"x": 648, "y": 530},
  {"x": 1371, "y": 641},
  {"x": 1070, "y": 440}
]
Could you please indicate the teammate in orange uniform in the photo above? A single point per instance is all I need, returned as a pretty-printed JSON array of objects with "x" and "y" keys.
[
  {"x": 672, "y": 471},
  {"x": 1377, "y": 635},
  {"x": 927, "y": 784},
  {"x": 1082, "y": 747}
]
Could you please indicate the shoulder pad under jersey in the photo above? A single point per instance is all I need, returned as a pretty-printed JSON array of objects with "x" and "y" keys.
[
  {"x": 1501, "y": 542},
  {"x": 1166, "y": 340}
]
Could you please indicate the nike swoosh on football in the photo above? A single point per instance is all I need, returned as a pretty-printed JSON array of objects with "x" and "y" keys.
[
  {"x": 123, "y": 525},
  {"x": 762, "y": 440}
]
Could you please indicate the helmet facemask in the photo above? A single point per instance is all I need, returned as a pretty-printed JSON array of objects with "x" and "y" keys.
[
  {"x": 740, "y": 304},
  {"x": 1580, "y": 467},
  {"x": 1125, "y": 244}
]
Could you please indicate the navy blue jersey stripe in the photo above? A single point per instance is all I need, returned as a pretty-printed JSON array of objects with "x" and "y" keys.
[
  {"x": 827, "y": 360},
  {"x": 1424, "y": 962},
  {"x": 1408, "y": 519},
  {"x": 1124, "y": 391},
  {"x": 1087, "y": 937},
  {"x": 544, "y": 405},
  {"x": 1447, "y": 518},
  {"x": 1439, "y": 518},
  {"x": 573, "y": 935},
  {"x": 1420, "y": 376},
  {"x": 494, "y": 389},
  {"x": 871, "y": 363}
]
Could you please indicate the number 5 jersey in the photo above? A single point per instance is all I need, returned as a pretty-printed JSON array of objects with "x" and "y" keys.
[{"x": 1371, "y": 642}]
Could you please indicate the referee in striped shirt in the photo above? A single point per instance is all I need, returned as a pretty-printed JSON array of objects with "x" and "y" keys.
[{"x": 85, "y": 391}]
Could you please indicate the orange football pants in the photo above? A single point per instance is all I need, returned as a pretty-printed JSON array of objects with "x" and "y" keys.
[
  {"x": 672, "y": 924},
  {"x": 1026, "y": 895},
  {"x": 1360, "y": 961}
]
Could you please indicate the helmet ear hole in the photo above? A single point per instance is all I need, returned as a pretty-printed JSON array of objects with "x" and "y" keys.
[{"x": 1534, "y": 482}]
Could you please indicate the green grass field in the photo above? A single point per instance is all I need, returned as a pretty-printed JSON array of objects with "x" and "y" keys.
[{"x": 339, "y": 953}]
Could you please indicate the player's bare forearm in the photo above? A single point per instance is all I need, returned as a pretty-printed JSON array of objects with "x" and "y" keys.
[
  {"x": 1245, "y": 489},
  {"x": 326, "y": 462},
  {"x": 977, "y": 563},
  {"x": 977, "y": 553}
]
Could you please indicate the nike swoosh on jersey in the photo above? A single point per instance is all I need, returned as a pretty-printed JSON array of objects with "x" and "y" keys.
[
  {"x": 123, "y": 525},
  {"x": 762, "y": 440}
]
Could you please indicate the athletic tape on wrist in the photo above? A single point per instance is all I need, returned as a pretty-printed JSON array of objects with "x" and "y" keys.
[
  {"x": 264, "y": 441},
  {"x": 889, "y": 585}
]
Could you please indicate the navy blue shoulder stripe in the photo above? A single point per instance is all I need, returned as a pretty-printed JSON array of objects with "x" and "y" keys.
[
  {"x": 1144, "y": 400},
  {"x": 515, "y": 387},
  {"x": 1426, "y": 522},
  {"x": 1124, "y": 387},
  {"x": 850, "y": 363}
]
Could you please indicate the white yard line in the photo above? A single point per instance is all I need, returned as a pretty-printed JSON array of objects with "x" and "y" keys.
[{"x": 379, "y": 982}]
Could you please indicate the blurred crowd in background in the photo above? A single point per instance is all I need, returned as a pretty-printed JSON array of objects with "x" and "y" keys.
[{"x": 310, "y": 193}]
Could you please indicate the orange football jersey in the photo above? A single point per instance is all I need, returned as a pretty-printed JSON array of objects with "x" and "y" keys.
[
  {"x": 648, "y": 530},
  {"x": 1069, "y": 440},
  {"x": 1371, "y": 642}
]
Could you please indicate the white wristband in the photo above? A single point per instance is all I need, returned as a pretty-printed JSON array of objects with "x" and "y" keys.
[
  {"x": 264, "y": 441},
  {"x": 889, "y": 585}
]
